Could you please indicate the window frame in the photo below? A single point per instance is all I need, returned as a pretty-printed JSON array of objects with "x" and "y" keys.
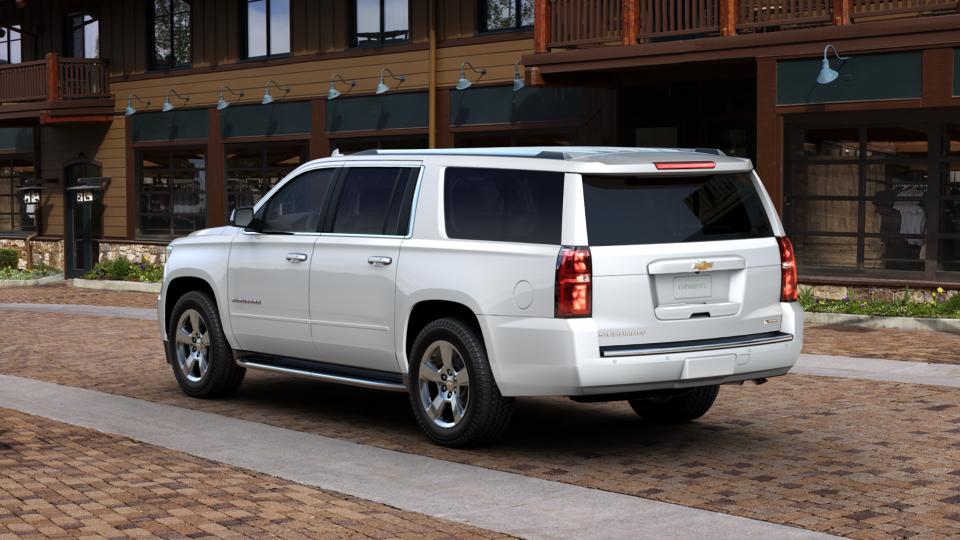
[
  {"x": 381, "y": 42},
  {"x": 17, "y": 208},
  {"x": 7, "y": 43},
  {"x": 245, "y": 35},
  {"x": 152, "y": 63},
  {"x": 517, "y": 26},
  {"x": 264, "y": 207},
  {"x": 410, "y": 190},
  {"x": 70, "y": 27}
]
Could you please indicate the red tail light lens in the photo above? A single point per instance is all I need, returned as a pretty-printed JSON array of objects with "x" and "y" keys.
[
  {"x": 788, "y": 270},
  {"x": 574, "y": 283},
  {"x": 682, "y": 165}
]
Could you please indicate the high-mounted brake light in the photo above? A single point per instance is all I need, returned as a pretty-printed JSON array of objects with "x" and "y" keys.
[
  {"x": 682, "y": 165},
  {"x": 574, "y": 287},
  {"x": 788, "y": 270}
]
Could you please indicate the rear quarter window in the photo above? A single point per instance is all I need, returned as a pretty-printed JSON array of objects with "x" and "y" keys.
[
  {"x": 503, "y": 205},
  {"x": 626, "y": 210}
]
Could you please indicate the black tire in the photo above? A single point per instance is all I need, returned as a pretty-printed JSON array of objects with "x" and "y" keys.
[
  {"x": 675, "y": 409},
  {"x": 222, "y": 376},
  {"x": 486, "y": 414}
]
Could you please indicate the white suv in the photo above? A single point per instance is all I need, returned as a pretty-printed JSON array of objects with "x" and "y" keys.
[{"x": 470, "y": 277}]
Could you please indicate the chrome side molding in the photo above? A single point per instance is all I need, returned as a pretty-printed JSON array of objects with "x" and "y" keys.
[{"x": 751, "y": 340}]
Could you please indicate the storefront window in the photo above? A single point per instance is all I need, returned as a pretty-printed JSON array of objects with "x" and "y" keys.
[
  {"x": 10, "y": 52},
  {"x": 83, "y": 36},
  {"x": 253, "y": 171},
  {"x": 13, "y": 172},
  {"x": 173, "y": 193},
  {"x": 381, "y": 22},
  {"x": 857, "y": 197}
]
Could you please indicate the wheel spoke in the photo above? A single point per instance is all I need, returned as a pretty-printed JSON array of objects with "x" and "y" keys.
[
  {"x": 188, "y": 364},
  {"x": 202, "y": 359},
  {"x": 204, "y": 339},
  {"x": 429, "y": 373},
  {"x": 436, "y": 407},
  {"x": 195, "y": 322},
  {"x": 456, "y": 405},
  {"x": 463, "y": 377},
  {"x": 446, "y": 355},
  {"x": 183, "y": 336}
]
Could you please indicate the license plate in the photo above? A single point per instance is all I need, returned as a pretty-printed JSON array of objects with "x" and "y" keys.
[
  {"x": 709, "y": 366},
  {"x": 693, "y": 287}
]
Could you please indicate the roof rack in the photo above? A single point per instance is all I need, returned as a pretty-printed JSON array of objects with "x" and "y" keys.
[{"x": 557, "y": 152}]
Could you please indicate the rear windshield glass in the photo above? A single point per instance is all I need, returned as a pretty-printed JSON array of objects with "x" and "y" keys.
[{"x": 647, "y": 210}]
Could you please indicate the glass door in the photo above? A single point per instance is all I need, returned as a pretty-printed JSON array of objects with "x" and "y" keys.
[{"x": 82, "y": 222}]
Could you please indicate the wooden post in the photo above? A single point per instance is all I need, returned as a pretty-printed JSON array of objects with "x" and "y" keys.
[
  {"x": 432, "y": 88},
  {"x": 53, "y": 77},
  {"x": 728, "y": 17},
  {"x": 629, "y": 22},
  {"x": 841, "y": 11},
  {"x": 541, "y": 25},
  {"x": 445, "y": 137},
  {"x": 216, "y": 171},
  {"x": 769, "y": 132},
  {"x": 319, "y": 140}
]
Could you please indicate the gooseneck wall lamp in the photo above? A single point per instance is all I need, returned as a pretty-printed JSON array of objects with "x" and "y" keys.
[
  {"x": 518, "y": 83},
  {"x": 222, "y": 103},
  {"x": 130, "y": 111},
  {"x": 333, "y": 93},
  {"x": 267, "y": 98},
  {"x": 828, "y": 74},
  {"x": 463, "y": 83},
  {"x": 382, "y": 87},
  {"x": 168, "y": 105}
]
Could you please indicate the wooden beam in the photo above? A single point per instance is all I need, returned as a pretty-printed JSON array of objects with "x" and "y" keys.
[
  {"x": 728, "y": 17},
  {"x": 319, "y": 142},
  {"x": 53, "y": 77},
  {"x": 133, "y": 195},
  {"x": 769, "y": 132},
  {"x": 938, "y": 77},
  {"x": 541, "y": 25},
  {"x": 216, "y": 171},
  {"x": 432, "y": 80},
  {"x": 629, "y": 20},
  {"x": 444, "y": 133},
  {"x": 841, "y": 11}
]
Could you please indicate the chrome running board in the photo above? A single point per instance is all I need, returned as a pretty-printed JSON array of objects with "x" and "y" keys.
[{"x": 326, "y": 372}]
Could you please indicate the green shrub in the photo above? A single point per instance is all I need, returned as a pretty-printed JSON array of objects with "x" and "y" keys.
[
  {"x": 39, "y": 271},
  {"x": 901, "y": 305},
  {"x": 9, "y": 258},
  {"x": 121, "y": 269}
]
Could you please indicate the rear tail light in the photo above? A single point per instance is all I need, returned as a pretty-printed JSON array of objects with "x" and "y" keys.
[
  {"x": 682, "y": 165},
  {"x": 574, "y": 283},
  {"x": 788, "y": 270}
]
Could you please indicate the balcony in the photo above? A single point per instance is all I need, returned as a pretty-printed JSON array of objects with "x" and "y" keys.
[
  {"x": 56, "y": 90},
  {"x": 575, "y": 24}
]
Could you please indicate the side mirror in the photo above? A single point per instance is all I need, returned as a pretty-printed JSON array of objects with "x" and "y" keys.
[{"x": 242, "y": 217}]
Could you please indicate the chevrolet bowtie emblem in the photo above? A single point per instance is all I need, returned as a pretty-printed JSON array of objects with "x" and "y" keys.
[{"x": 700, "y": 266}]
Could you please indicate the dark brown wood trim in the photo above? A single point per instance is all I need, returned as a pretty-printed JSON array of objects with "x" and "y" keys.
[
  {"x": 181, "y": 143},
  {"x": 850, "y": 106},
  {"x": 46, "y": 119},
  {"x": 319, "y": 142},
  {"x": 868, "y": 281},
  {"x": 938, "y": 77},
  {"x": 133, "y": 195},
  {"x": 769, "y": 132},
  {"x": 377, "y": 133},
  {"x": 254, "y": 139},
  {"x": 444, "y": 133},
  {"x": 487, "y": 37},
  {"x": 480, "y": 128},
  {"x": 216, "y": 171}
]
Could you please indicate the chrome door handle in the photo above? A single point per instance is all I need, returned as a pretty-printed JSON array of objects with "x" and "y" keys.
[
  {"x": 377, "y": 260},
  {"x": 296, "y": 257}
]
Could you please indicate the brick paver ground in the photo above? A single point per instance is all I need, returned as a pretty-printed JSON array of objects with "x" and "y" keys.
[
  {"x": 65, "y": 294},
  {"x": 859, "y": 458},
  {"x": 58, "y": 480},
  {"x": 937, "y": 347}
]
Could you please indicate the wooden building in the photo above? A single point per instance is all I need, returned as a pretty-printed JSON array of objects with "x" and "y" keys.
[{"x": 865, "y": 169}]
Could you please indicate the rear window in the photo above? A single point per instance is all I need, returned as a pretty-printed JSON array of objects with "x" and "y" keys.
[
  {"x": 503, "y": 205},
  {"x": 658, "y": 210}
]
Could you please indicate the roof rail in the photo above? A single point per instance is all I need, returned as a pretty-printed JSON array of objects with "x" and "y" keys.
[{"x": 558, "y": 153}]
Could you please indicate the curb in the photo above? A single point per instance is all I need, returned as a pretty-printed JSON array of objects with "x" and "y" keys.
[
  {"x": 110, "y": 285},
  {"x": 893, "y": 323},
  {"x": 6, "y": 283}
]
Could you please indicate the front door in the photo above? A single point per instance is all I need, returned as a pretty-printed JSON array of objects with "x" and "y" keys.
[
  {"x": 82, "y": 224},
  {"x": 269, "y": 271},
  {"x": 354, "y": 269}
]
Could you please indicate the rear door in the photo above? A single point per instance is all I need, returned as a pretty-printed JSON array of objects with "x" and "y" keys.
[
  {"x": 354, "y": 268},
  {"x": 681, "y": 258}
]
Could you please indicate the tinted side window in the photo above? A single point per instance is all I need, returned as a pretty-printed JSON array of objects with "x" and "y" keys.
[
  {"x": 298, "y": 205},
  {"x": 503, "y": 205},
  {"x": 637, "y": 210},
  {"x": 373, "y": 201}
]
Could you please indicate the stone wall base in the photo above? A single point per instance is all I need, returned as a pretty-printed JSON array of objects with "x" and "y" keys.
[
  {"x": 839, "y": 292},
  {"x": 150, "y": 253},
  {"x": 44, "y": 251}
]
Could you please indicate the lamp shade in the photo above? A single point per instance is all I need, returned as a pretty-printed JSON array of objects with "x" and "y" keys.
[
  {"x": 333, "y": 93},
  {"x": 130, "y": 111},
  {"x": 222, "y": 104},
  {"x": 267, "y": 98},
  {"x": 167, "y": 106},
  {"x": 463, "y": 83},
  {"x": 827, "y": 74},
  {"x": 382, "y": 88}
]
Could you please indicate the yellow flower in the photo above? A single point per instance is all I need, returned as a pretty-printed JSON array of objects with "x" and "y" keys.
[{"x": 940, "y": 290}]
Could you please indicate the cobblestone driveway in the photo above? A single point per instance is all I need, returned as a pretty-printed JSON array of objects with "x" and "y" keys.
[
  {"x": 858, "y": 458},
  {"x": 58, "y": 480}
]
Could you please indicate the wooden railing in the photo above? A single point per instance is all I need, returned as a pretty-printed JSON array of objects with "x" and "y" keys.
[
  {"x": 752, "y": 14},
  {"x": 575, "y": 23},
  {"x": 667, "y": 18},
  {"x": 54, "y": 79},
  {"x": 563, "y": 24}
]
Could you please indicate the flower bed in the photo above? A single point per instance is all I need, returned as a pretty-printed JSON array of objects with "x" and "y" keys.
[
  {"x": 17, "y": 274},
  {"x": 902, "y": 305},
  {"x": 121, "y": 269}
]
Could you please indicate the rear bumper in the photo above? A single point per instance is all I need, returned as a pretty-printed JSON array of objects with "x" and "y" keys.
[{"x": 562, "y": 357}]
